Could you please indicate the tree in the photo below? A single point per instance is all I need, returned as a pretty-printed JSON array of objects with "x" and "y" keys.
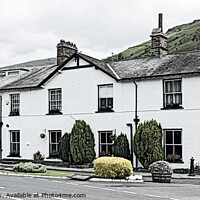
[
  {"x": 120, "y": 147},
  {"x": 82, "y": 143},
  {"x": 64, "y": 147},
  {"x": 147, "y": 143}
]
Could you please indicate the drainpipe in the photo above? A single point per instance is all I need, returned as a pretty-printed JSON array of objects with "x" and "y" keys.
[
  {"x": 136, "y": 119},
  {"x": 131, "y": 137}
]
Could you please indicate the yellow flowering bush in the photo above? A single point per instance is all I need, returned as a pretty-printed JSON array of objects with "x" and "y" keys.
[{"x": 112, "y": 167}]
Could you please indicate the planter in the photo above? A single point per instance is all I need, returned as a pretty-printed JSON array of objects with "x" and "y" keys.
[
  {"x": 14, "y": 113},
  {"x": 173, "y": 106},
  {"x": 105, "y": 109},
  {"x": 14, "y": 155},
  {"x": 42, "y": 135},
  {"x": 55, "y": 112},
  {"x": 175, "y": 161},
  {"x": 161, "y": 177},
  {"x": 54, "y": 156}
]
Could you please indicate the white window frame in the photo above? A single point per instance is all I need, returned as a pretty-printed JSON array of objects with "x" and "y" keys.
[
  {"x": 173, "y": 144},
  {"x": 107, "y": 107},
  {"x": 12, "y": 142},
  {"x": 15, "y": 103},
  {"x": 104, "y": 143},
  {"x": 56, "y": 142},
  {"x": 58, "y": 102},
  {"x": 173, "y": 93}
]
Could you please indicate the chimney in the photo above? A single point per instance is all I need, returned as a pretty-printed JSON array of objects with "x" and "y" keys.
[
  {"x": 64, "y": 51},
  {"x": 158, "y": 39},
  {"x": 160, "y": 21}
]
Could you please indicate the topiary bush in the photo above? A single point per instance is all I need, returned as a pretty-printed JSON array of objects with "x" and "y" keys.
[
  {"x": 82, "y": 143},
  {"x": 112, "y": 167},
  {"x": 147, "y": 143},
  {"x": 64, "y": 147},
  {"x": 120, "y": 147},
  {"x": 29, "y": 167}
]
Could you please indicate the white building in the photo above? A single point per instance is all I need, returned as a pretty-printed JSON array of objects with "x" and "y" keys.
[{"x": 49, "y": 99}]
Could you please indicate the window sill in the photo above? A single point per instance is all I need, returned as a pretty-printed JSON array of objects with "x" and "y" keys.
[
  {"x": 14, "y": 156},
  {"x": 175, "y": 162},
  {"x": 172, "y": 108},
  {"x": 54, "y": 113},
  {"x": 103, "y": 111},
  {"x": 53, "y": 157}
]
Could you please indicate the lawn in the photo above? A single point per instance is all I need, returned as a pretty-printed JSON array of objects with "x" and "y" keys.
[{"x": 48, "y": 173}]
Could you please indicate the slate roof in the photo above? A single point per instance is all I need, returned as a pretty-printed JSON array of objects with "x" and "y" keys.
[
  {"x": 28, "y": 79},
  {"x": 176, "y": 64},
  {"x": 102, "y": 65},
  {"x": 149, "y": 67}
]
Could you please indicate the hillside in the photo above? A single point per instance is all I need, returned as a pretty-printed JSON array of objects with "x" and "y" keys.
[
  {"x": 181, "y": 38},
  {"x": 34, "y": 63}
]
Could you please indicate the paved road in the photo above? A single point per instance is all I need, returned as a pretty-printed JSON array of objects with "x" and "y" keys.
[{"x": 20, "y": 188}]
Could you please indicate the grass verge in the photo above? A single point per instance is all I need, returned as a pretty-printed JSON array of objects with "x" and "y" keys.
[{"x": 59, "y": 174}]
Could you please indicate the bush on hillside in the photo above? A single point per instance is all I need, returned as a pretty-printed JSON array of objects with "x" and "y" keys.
[
  {"x": 120, "y": 147},
  {"x": 147, "y": 143},
  {"x": 112, "y": 167},
  {"x": 82, "y": 143}
]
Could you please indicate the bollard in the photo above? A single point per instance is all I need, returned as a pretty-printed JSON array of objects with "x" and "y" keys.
[
  {"x": 191, "y": 167},
  {"x": 70, "y": 158}
]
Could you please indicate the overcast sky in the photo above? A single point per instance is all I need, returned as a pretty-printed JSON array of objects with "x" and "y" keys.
[{"x": 31, "y": 29}]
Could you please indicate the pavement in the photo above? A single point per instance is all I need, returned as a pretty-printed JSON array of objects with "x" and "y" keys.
[{"x": 90, "y": 171}]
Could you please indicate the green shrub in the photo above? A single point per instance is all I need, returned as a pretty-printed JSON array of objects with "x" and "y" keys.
[
  {"x": 64, "y": 148},
  {"x": 147, "y": 143},
  {"x": 82, "y": 143},
  {"x": 29, "y": 167},
  {"x": 120, "y": 147},
  {"x": 38, "y": 156},
  {"x": 112, "y": 167}
]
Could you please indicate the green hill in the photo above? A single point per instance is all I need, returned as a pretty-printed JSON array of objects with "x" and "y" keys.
[
  {"x": 34, "y": 63},
  {"x": 181, "y": 38}
]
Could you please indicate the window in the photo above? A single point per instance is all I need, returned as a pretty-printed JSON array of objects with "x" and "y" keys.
[
  {"x": 54, "y": 140},
  {"x": 14, "y": 143},
  {"x": 15, "y": 104},
  {"x": 105, "y": 98},
  {"x": 12, "y": 73},
  {"x": 173, "y": 144},
  {"x": 55, "y": 101},
  {"x": 173, "y": 93},
  {"x": 105, "y": 143}
]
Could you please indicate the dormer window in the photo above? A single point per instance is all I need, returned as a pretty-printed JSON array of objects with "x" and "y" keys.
[{"x": 13, "y": 73}]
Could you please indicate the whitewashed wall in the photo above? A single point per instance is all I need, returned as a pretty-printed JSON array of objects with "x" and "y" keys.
[
  {"x": 80, "y": 101},
  {"x": 150, "y": 104}
]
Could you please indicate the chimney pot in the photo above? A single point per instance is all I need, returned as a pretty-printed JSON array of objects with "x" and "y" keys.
[
  {"x": 160, "y": 21},
  {"x": 158, "y": 39}
]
